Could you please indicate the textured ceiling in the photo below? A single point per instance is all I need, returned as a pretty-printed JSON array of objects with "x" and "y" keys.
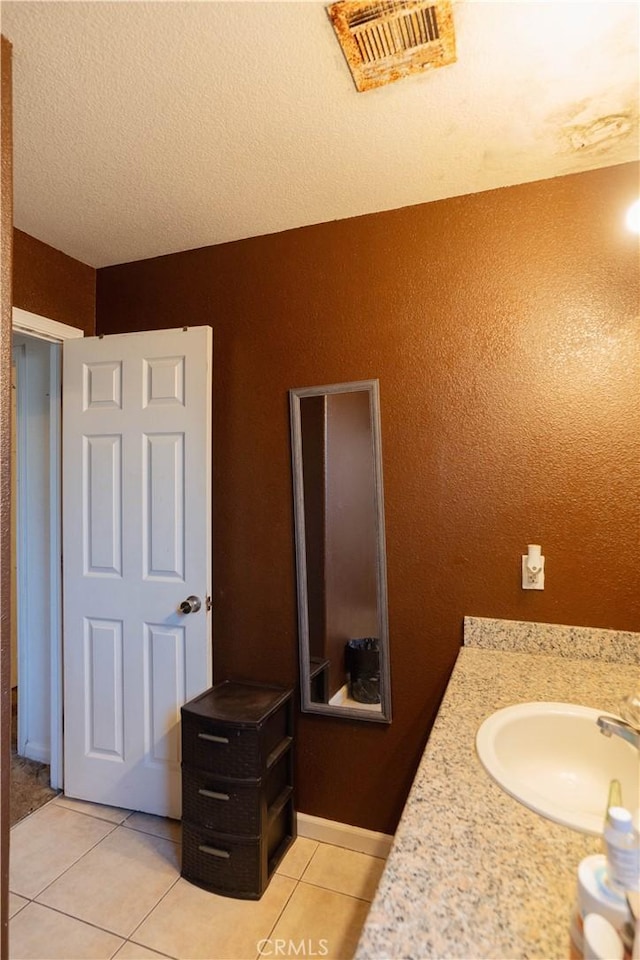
[{"x": 146, "y": 128}]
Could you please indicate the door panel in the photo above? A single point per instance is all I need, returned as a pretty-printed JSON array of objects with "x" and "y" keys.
[
  {"x": 136, "y": 542},
  {"x": 102, "y": 505},
  {"x": 163, "y": 506}
]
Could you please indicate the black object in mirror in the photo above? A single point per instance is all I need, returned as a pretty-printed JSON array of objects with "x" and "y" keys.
[{"x": 362, "y": 660}]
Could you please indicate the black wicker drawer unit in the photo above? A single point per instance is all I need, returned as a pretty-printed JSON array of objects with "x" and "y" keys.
[{"x": 237, "y": 787}]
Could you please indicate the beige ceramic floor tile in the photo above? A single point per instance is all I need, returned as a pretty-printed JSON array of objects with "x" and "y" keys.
[
  {"x": 328, "y": 924},
  {"x": 38, "y": 932},
  {"x": 118, "y": 882},
  {"x": 48, "y": 842},
  {"x": 297, "y": 858},
  {"x": 156, "y": 826},
  {"x": 132, "y": 951},
  {"x": 99, "y": 810},
  {"x": 344, "y": 871},
  {"x": 189, "y": 922},
  {"x": 16, "y": 904}
]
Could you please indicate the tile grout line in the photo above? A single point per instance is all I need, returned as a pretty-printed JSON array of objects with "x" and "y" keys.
[
  {"x": 155, "y": 836},
  {"x": 284, "y": 907},
  {"x": 122, "y": 823},
  {"x": 82, "y": 920},
  {"x": 161, "y": 953},
  {"x": 341, "y": 893},
  {"x": 297, "y": 881},
  {"x": 88, "y": 923},
  {"x": 320, "y": 886},
  {"x": 54, "y": 802},
  {"x": 148, "y": 914},
  {"x": 130, "y": 937},
  {"x": 21, "y": 908},
  {"x": 119, "y": 823},
  {"x": 147, "y": 833},
  {"x": 33, "y": 812},
  {"x": 66, "y": 870},
  {"x": 114, "y": 827},
  {"x": 122, "y": 936},
  {"x": 309, "y": 862},
  {"x": 87, "y": 813}
]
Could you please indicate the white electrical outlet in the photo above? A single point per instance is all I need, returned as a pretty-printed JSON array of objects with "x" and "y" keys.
[{"x": 532, "y": 580}]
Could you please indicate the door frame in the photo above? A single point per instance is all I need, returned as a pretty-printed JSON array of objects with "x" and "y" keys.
[{"x": 44, "y": 328}]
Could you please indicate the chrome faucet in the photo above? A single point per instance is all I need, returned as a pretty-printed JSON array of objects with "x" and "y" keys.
[{"x": 620, "y": 728}]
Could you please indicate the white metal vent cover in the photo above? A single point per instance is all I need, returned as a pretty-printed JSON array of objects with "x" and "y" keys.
[{"x": 386, "y": 40}]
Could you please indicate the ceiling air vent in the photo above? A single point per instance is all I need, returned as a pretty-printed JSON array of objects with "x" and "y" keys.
[{"x": 385, "y": 41}]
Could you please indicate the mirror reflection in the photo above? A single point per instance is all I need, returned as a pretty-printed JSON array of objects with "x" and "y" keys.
[{"x": 340, "y": 550}]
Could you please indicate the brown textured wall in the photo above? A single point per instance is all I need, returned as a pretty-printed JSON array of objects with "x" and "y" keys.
[
  {"x": 6, "y": 245},
  {"x": 504, "y": 330},
  {"x": 52, "y": 284}
]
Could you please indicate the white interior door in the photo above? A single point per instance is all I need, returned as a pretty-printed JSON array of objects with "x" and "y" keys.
[{"x": 136, "y": 543}]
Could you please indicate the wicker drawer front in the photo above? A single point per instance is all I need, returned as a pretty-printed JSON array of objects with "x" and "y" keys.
[
  {"x": 226, "y": 806},
  {"x": 230, "y": 750},
  {"x": 222, "y": 749},
  {"x": 230, "y": 866},
  {"x": 235, "y": 866},
  {"x": 231, "y": 806}
]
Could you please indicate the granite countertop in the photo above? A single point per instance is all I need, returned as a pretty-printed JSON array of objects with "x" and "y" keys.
[{"x": 472, "y": 873}]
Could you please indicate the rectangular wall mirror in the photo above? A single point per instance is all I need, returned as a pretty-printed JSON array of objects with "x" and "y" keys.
[{"x": 340, "y": 550}]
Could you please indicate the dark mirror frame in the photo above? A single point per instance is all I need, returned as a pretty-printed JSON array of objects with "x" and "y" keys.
[{"x": 308, "y": 705}]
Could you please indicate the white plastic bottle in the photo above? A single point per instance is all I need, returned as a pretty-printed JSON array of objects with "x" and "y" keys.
[{"x": 622, "y": 843}]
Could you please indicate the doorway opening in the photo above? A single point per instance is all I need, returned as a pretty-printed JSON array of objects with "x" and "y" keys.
[{"x": 36, "y": 655}]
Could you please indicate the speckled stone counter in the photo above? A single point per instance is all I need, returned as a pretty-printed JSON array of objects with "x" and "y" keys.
[{"x": 473, "y": 873}]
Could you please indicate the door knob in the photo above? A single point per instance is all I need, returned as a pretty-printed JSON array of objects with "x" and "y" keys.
[{"x": 190, "y": 605}]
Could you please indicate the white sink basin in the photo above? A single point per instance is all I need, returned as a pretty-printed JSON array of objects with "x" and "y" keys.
[{"x": 553, "y": 758}]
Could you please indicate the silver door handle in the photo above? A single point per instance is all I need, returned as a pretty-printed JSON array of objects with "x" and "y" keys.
[{"x": 190, "y": 605}]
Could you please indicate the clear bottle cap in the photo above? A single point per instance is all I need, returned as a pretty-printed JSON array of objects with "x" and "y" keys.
[{"x": 620, "y": 819}]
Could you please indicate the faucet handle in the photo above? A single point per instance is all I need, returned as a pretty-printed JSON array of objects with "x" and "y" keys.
[{"x": 629, "y": 709}]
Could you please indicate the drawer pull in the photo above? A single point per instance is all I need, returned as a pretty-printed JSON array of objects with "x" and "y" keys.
[
  {"x": 213, "y": 795},
  {"x": 213, "y": 738},
  {"x": 214, "y": 852}
]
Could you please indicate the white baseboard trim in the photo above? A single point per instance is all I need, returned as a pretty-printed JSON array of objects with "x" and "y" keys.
[{"x": 344, "y": 835}]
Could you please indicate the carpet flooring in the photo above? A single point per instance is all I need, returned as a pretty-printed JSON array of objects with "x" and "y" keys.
[{"x": 29, "y": 780}]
